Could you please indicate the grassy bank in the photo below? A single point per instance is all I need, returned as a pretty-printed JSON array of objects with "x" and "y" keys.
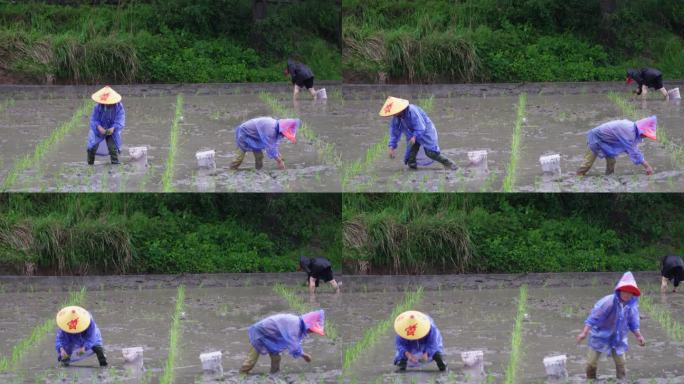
[
  {"x": 165, "y": 233},
  {"x": 189, "y": 41},
  {"x": 435, "y": 233},
  {"x": 492, "y": 40}
]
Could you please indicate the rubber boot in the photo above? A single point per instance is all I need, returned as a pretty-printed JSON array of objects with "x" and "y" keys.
[
  {"x": 101, "y": 358},
  {"x": 438, "y": 157},
  {"x": 65, "y": 362},
  {"x": 91, "y": 156},
  {"x": 620, "y": 371},
  {"x": 258, "y": 160},
  {"x": 275, "y": 363},
  {"x": 413, "y": 154},
  {"x": 437, "y": 357},
  {"x": 113, "y": 151},
  {"x": 402, "y": 365},
  {"x": 591, "y": 372},
  {"x": 610, "y": 165}
]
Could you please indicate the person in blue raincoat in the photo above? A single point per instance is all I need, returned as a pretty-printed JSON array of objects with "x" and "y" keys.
[
  {"x": 107, "y": 121},
  {"x": 78, "y": 337},
  {"x": 411, "y": 121},
  {"x": 263, "y": 133},
  {"x": 281, "y": 332},
  {"x": 609, "y": 323},
  {"x": 611, "y": 139},
  {"x": 418, "y": 341}
]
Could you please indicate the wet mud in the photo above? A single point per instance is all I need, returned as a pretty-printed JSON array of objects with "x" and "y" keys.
[
  {"x": 470, "y": 317},
  {"x": 347, "y": 131}
]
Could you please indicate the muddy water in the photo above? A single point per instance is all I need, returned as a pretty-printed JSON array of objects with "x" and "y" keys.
[
  {"x": 553, "y": 124},
  {"x": 218, "y": 318}
]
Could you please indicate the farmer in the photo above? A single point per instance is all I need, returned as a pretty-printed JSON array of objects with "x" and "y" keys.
[
  {"x": 277, "y": 333},
  {"x": 263, "y": 133},
  {"x": 77, "y": 337},
  {"x": 418, "y": 341},
  {"x": 615, "y": 137},
  {"x": 647, "y": 78},
  {"x": 672, "y": 269},
  {"x": 317, "y": 268},
  {"x": 302, "y": 76},
  {"x": 610, "y": 321},
  {"x": 106, "y": 123},
  {"x": 411, "y": 121}
]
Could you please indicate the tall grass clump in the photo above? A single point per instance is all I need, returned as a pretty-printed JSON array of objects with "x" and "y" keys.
[
  {"x": 511, "y": 170},
  {"x": 326, "y": 150},
  {"x": 45, "y": 146},
  {"x": 675, "y": 150},
  {"x": 38, "y": 333},
  {"x": 364, "y": 164},
  {"x": 664, "y": 317},
  {"x": 167, "y": 177},
  {"x": 373, "y": 334},
  {"x": 511, "y": 375},
  {"x": 174, "y": 338},
  {"x": 427, "y": 103},
  {"x": 408, "y": 234},
  {"x": 295, "y": 302}
]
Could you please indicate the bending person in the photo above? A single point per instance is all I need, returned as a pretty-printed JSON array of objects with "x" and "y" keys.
[
  {"x": 672, "y": 269},
  {"x": 317, "y": 268},
  {"x": 106, "y": 123}
]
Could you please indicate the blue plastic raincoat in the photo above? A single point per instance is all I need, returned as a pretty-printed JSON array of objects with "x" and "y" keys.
[
  {"x": 430, "y": 343},
  {"x": 261, "y": 133},
  {"x": 71, "y": 342},
  {"x": 615, "y": 137},
  {"x": 277, "y": 333},
  {"x": 106, "y": 116},
  {"x": 611, "y": 321},
  {"x": 413, "y": 123}
]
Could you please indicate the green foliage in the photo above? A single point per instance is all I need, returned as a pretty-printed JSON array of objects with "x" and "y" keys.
[
  {"x": 493, "y": 40},
  {"x": 512, "y": 233},
  {"x": 167, "y": 177},
  {"x": 169, "y": 41},
  {"x": 174, "y": 338},
  {"x": 166, "y": 233},
  {"x": 512, "y": 167},
  {"x": 516, "y": 339}
]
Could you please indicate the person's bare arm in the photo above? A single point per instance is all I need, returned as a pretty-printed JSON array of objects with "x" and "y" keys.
[
  {"x": 640, "y": 338},
  {"x": 647, "y": 167},
  {"x": 583, "y": 335}
]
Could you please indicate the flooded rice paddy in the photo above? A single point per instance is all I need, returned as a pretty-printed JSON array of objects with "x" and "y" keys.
[
  {"x": 342, "y": 146},
  {"x": 217, "y": 318}
]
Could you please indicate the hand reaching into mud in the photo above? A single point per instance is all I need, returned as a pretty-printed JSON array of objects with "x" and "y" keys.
[
  {"x": 280, "y": 163},
  {"x": 392, "y": 153},
  {"x": 306, "y": 357},
  {"x": 413, "y": 140},
  {"x": 640, "y": 338},
  {"x": 101, "y": 130},
  {"x": 81, "y": 351},
  {"x": 63, "y": 353},
  {"x": 424, "y": 358},
  {"x": 413, "y": 359}
]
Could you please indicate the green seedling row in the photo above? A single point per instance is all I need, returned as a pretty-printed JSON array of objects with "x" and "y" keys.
[
  {"x": 45, "y": 146},
  {"x": 373, "y": 334},
  {"x": 167, "y": 177},
  {"x": 511, "y": 376},
  {"x": 174, "y": 338},
  {"x": 37, "y": 334},
  {"x": 511, "y": 171}
]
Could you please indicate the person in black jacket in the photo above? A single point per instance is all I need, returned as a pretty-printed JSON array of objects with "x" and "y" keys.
[
  {"x": 317, "y": 268},
  {"x": 302, "y": 77},
  {"x": 647, "y": 78},
  {"x": 672, "y": 269}
]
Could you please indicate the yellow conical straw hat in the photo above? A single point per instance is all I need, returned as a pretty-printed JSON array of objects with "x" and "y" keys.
[
  {"x": 106, "y": 96},
  {"x": 393, "y": 105},
  {"x": 412, "y": 325},
  {"x": 73, "y": 319}
]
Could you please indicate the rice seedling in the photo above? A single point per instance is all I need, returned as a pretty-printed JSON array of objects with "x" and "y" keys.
[
  {"x": 295, "y": 302},
  {"x": 427, "y": 103},
  {"x": 509, "y": 180},
  {"x": 326, "y": 151},
  {"x": 363, "y": 165},
  {"x": 373, "y": 334},
  {"x": 38, "y": 333},
  {"x": 511, "y": 375},
  {"x": 57, "y": 135},
  {"x": 167, "y": 177},
  {"x": 174, "y": 338},
  {"x": 664, "y": 317},
  {"x": 675, "y": 150}
]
